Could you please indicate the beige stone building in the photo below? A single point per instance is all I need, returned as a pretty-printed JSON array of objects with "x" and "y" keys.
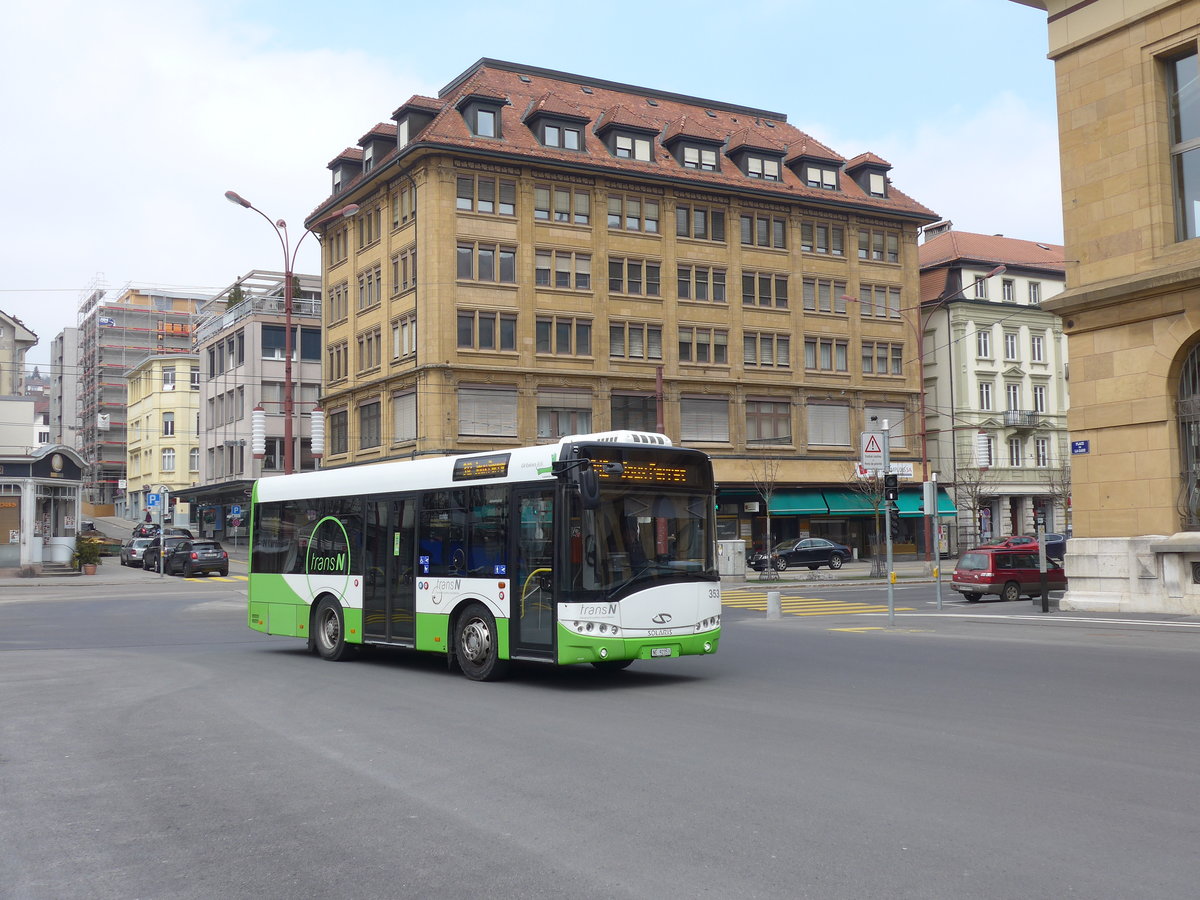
[
  {"x": 537, "y": 254},
  {"x": 163, "y": 443},
  {"x": 1128, "y": 88}
]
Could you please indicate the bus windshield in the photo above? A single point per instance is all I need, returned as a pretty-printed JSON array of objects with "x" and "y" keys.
[{"x": 640, "y": 535}]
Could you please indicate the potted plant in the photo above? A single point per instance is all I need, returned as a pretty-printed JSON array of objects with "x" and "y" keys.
[{"x": 87, "y": 555}]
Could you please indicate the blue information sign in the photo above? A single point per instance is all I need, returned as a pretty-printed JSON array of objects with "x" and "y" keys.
[
  {"x": 235, "y": 510},
  {"x": 1078, "y": 447},
  {"x": 152, "y": 499}
]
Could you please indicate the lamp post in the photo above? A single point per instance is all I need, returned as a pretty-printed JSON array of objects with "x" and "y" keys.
[
  {"x": 289, "y": 264},
  {"x": 919, "y": 338}
]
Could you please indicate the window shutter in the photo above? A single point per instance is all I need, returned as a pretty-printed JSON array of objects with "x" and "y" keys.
[
  {"x": 704, "y": 419},
  {"x": 829, "y": 425},
  {"x": 487, "y": 411},
  {"x": 896, "y": 422},
  {"x": 404, "y": 416}
]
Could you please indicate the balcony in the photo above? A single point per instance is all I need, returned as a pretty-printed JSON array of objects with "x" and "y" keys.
[
  {"x": 1021, "y": 418},
  {"x": 301, "y": 309}
]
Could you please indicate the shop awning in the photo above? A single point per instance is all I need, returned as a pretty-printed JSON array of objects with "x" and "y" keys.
[
  {"x": 848, "y": 503},
  {"x": 798, "y": 503},
  {"x": 909, "y": 502}
]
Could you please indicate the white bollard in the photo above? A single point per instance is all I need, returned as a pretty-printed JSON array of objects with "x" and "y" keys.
[{"x": 774, "y": 605}]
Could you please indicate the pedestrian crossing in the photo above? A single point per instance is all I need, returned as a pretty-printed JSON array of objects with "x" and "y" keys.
[{"x": 801, "y": 606}]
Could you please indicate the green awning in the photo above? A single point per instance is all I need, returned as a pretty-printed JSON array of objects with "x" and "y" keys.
[
  {"x": 910, "y": 500},
  {"x": 848, "y": 503},
  {"x": 798, "y": 503}
]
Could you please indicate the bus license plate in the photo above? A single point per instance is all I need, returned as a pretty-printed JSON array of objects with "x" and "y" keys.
[{"x": 660, "y": 651}]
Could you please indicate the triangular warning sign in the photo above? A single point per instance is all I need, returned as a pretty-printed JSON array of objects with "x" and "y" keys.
[{"x": 872, "y": 445}]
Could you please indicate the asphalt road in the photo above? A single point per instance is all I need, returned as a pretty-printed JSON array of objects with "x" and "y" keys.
[{"x": 152, "y": 746}]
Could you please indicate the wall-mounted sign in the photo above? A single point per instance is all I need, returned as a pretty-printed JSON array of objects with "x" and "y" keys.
[{"x": 1078, "y": 447}]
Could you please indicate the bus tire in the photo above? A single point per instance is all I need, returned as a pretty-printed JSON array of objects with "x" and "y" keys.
[
  {"x": 329, "y": 631},
  {"x": 476, "y": 644}
]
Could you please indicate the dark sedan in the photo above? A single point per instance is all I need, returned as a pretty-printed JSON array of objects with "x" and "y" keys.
[
  {"x": 811, "y": 552},
  {"x": 198, "y": 558}
]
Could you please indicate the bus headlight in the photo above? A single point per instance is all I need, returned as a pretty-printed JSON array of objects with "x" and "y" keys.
[{"x": 604, "y": 653}]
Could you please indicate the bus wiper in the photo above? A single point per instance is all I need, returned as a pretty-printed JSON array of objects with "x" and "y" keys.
[{"x": 649, "y": 565}]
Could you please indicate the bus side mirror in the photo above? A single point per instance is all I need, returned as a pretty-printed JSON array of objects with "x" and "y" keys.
[{"x": 589, "y": 488}]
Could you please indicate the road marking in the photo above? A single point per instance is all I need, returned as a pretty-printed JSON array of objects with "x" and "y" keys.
[{"x": 802, "y": 606}]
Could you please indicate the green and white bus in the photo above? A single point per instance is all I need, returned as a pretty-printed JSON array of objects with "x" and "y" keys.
[{"x": 598, "y": 549}]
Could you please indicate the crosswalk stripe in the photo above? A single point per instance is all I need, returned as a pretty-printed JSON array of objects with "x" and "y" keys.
[{"x": 803, "y": 606}]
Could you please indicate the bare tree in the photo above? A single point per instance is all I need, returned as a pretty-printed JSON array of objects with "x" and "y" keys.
[
  {"x": 974, "y": 485},
  {"x": 868, "y": 484},
  {"x": 764, "y": 472},
  {"x": 1058, "y": 486}
]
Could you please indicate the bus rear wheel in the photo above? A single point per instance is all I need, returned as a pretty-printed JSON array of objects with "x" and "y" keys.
[
  {"x": 329, "y": 630},
  {"x": 477, "y": 646}
]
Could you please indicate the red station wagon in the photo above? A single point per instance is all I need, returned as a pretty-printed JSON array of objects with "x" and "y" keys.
[{"x": 1010, "y": 572}]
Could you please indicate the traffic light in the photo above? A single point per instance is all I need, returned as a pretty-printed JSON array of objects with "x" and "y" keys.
[
  {"x": 894, "y": 522},
  {"x": 891, "y": 486}
]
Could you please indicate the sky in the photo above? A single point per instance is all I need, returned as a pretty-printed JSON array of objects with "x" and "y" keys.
[{"x": 126, "y": 121}]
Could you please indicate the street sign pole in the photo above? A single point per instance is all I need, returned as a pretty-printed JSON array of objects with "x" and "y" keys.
[{"x": 891, "y": 575}]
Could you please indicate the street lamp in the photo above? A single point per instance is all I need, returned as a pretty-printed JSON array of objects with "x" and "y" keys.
[
  {"x": 289, "y": 263},
  {"x": 923, "y": 312}
]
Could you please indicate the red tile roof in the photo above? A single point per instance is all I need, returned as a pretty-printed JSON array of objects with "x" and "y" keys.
[
  {"x": 867, "y": 159},
  {"x": 518, "y": 88},
  {"x": 989, "y": 249}
]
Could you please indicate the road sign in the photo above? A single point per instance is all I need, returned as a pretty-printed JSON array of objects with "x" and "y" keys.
[
  {"x": 152, "y": 499},
  {"x": 871, "y": 443},
  {"x": 1078, "y": 447},
  {"x": 235, "y": 510}
]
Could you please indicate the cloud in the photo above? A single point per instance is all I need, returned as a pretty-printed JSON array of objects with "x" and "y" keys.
[{"x": 128, "y": 120}]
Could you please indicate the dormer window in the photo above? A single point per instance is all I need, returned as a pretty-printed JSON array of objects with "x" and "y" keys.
[
  {"x": 567, "y": 137},
  {"x": 337, "y": 181},
  {"x": 402, "y": 137},
  {"x": 485, "y": 124},
  {"x": 823, "y": 177},
  {"x": 703, "y": 158},
  {"x": 877, "y": 184},
  {"x": 368, "y": 158},
  {"x": 630, "y": 147},
  {"x": 762, "y": 167}
]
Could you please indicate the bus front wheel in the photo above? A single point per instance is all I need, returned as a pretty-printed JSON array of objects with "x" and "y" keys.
[
  {"x": 330, "y": 631},
  {"x": 476, "y": 645}
]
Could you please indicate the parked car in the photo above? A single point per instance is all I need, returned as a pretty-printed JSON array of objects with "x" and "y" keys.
[
  {"x": 197, "y": 558},
  {"x": 811, "y": 552},
  {"x": 161, "y": 546},
  {"x": 1011, "y": 572},
  {"x": 132, "y": 550},
  {"x": 150, "y": 529}
]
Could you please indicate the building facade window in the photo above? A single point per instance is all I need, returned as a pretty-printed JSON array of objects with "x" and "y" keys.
[
  {"x": 404, "y": 204},
  {"x": 634, "y": 340},
  {"x": 1035, "y": 293},
  {"x": 168, "y": 459},
  {"x": 338, "y": 432},
  {"x": 478, "y": 261},
  {"x": 404, "y": 417},
  {"x": 168, "y": 424},
  {"x": 882, "y": 358},
  {"x": 631, "y": 212},
  {"x": 486, "y": 194},
  {"x": 337, "y": 361},
  {"x": 338, "y": 302},
  {"x": 826, "y": 354},
  {"x": 563, "y": 336},
  {"x": 981, "y": 291},
  {"x": 370, "y": 350},
  {"x": 1041, "y": 451},
  {"x": 701, "y": 223},
  {"x": 823, "y": 177},
  {"x": 1183, "y": 95},
  {"x": 560, "y": 413},
  {"x": 983, "y": 344},
  {"x": 695, "y": 157},
  {"x": 764, "y": 231},
  {"x": 879, "y": 301},
  {"x": 561, "y": 135},
  {"x": 1012, "y": 395},
  {"x": 764, "y": 167},
  {"x": 368, "y": 426},
  {"x": 1015, "y": 452},
  {"x": 768, "y": 422},
  {"x": 628, "y": 146},
  {"x": 404, "y": 270},
  {"x": 824, "y": 295},
  {"x": 168, "y": 378},
  {"x": 1039, "y": 398},
  {"x": 370, "y": 287},
  {"x": 763, "y": 349},
  {"x": 482, "y": 329},
  {"x": 487, "y": 411},
  {"x": 634, "y": 276},
  {"x": 194, "y": 459},
  {"x": 1010, "y": 345},
  {"x": 879, "y": 246},
  {"x": 823, "y": 237},
  {"x": 563, "y": 269},
  {"x": 1037, "y": 348},
  {"x": 369, "y": 226},
  {"x": 404, "y": 336},
  {"x": 701, "y": 283},
  {"x": 703, "y": 345},
  {"x": 554, "y": 203},
  {"x": 634, "y": 412},
  {"x": 768, "y": 289},
  {"x": 985, "y": 395},
  {"x": 1008, "y": 290},
  {"x": 704, "y": 419},
  {"x": 828, "y": 424}
]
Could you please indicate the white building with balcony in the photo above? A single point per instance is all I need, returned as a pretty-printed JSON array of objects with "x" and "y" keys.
[{"x": 995, "y": 381}]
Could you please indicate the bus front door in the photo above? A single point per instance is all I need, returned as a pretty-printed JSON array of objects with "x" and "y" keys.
[
  {"x": 389, "y": 597},
  {"x": 532, "y": 616}
]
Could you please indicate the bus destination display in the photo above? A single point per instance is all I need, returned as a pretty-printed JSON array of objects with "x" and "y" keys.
[{"x": 494, "y": 465}]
